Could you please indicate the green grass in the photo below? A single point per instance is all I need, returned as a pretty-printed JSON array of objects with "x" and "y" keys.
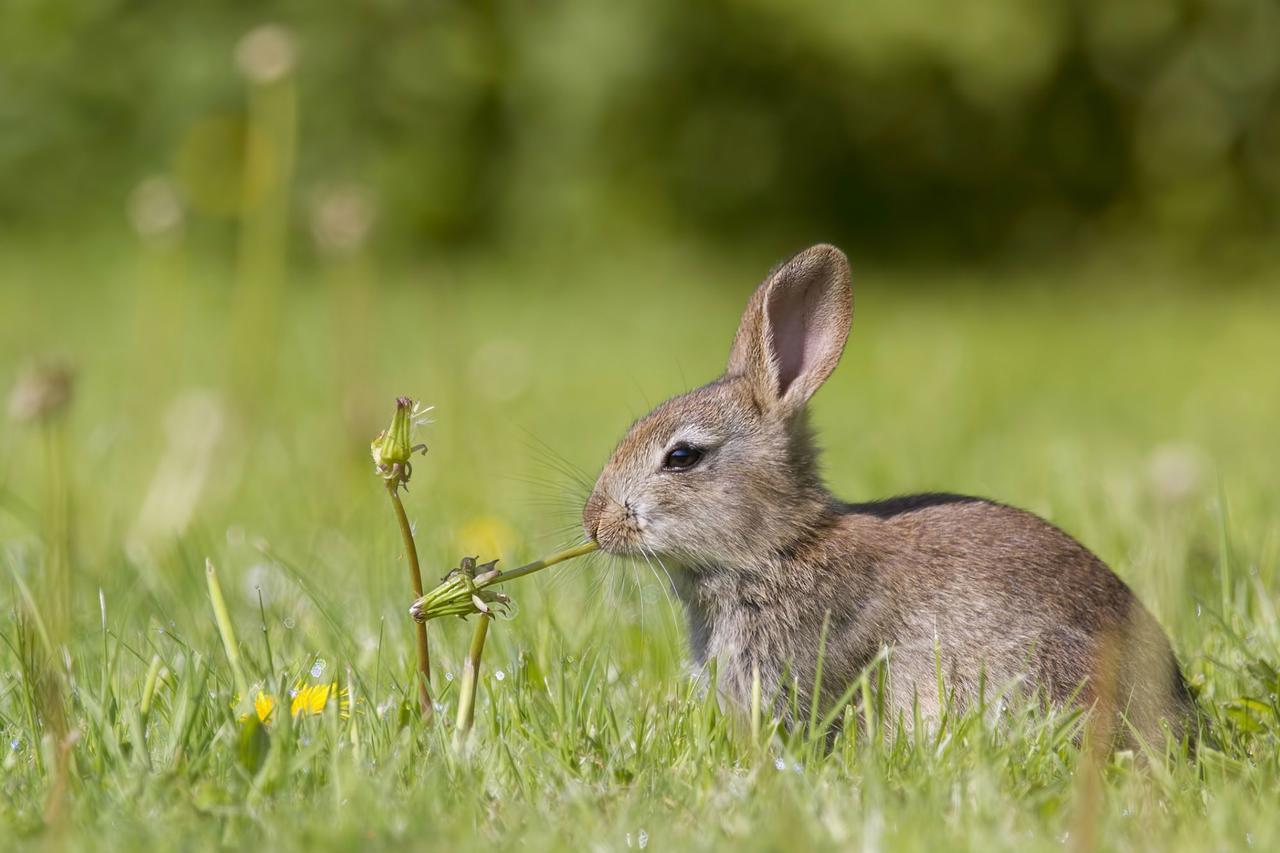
[{"x": 1140, "y": 414}]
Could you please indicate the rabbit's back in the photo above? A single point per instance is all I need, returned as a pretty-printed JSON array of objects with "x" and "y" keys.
[{"x": 1006, "y": 602}]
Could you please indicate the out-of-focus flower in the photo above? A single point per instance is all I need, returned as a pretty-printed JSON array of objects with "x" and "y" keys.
[
  {"x": 41, "y": 392},
  {"x": 155, "y": 208},
  {"x": 267, "y": 53},
  {"x": 394, "y": 446},
  {"x": 486, "y": 534},
  {"x": 341, "y": 219}
]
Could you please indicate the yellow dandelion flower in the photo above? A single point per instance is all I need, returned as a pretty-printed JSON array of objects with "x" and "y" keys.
[
  {"x": 308, "y": 700},
  {"x": 486, "y": 534},
  {"x": 264, "y": 704},
  {"x": 311, "y": 699}
]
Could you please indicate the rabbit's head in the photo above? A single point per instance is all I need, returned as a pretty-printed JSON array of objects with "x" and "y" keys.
[{"x": 726, "y": 473}]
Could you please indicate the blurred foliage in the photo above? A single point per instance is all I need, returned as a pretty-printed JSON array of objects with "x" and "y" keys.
[{"x": 921, "y": 126}]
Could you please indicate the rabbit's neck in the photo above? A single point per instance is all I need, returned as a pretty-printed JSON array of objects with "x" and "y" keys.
[{"x": 756, "y": 610}]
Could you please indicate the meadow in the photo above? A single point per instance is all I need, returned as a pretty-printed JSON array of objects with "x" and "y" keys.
[{"x": 1135, "y": 405}]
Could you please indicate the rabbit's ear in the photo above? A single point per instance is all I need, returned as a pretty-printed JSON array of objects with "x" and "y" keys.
[{"x": 794, "y": 328}]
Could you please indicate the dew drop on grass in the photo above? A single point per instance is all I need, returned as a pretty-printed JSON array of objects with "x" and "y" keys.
[
  {"x": 289, "y": 623},
  {"x": 499, "y": 674},
  {"x": 448, "y": 676},
  {"x": 780, "y": 764},
  {"x": 642, "y": 839},
  {"x": 317, "y": 669},
  {"x": 15, "y": 744}
]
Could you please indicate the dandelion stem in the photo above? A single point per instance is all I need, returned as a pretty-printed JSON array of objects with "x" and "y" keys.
[
  {"x": 545, "y": 562},
  {"x": 415, "y": 577},
  {"x": 470, "y": 681},
  {"x": 456, "y": 595}
]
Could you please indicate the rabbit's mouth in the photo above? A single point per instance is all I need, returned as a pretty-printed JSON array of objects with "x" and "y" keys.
[{"x": 616, "y": 526}]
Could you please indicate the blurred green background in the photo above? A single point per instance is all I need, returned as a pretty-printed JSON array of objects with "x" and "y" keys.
[
  {"x": 245, "y": 227},
  {"x": 920, "y": 129}
]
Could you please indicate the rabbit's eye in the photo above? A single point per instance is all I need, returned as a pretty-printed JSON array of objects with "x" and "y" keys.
[{"x": 682, "y": 457}]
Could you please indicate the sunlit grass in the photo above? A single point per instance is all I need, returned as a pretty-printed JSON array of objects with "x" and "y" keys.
[{"x": 1141, "y": 419}]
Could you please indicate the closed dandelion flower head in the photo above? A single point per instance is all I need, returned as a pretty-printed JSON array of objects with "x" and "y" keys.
[{"x": 394, "y": 446}]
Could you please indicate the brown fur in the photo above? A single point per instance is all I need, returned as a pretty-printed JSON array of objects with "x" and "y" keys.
[{"x": 761, "y": 553}]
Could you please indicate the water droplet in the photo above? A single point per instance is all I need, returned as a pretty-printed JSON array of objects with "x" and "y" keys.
[
  {"x": 15, "y": 744},
  {"x": 448, "y": 676},
  {"x": 780, "y": 764},
  {"x": 642, "y": 839},
  {"x": 288, "y": 622},
  {"x": 499, "y": 674},
  {"x": 1197, "y": 610},
  {"x": 317, "y": 668},
  {"x": 293, "y": 691}
]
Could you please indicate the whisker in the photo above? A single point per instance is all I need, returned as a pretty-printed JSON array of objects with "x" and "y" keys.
[
  {"x": 549, "y": 457},
  {"x": 668, "y": 586}
]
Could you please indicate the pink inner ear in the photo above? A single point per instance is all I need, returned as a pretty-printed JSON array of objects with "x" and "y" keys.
[{"x": 787, "y": 314}]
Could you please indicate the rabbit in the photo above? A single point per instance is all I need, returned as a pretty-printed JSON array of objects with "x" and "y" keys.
[{"x": 962, "y": 596}]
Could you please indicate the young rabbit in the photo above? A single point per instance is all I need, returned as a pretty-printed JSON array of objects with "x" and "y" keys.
[{"x": 721, "y": 485}]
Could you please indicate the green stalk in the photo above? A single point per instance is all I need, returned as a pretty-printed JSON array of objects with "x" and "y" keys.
[
  {"x": 149, "y": 688},
  {"x": 415, "y": 577},
  {"x": 470, "y": 681},
  {"x": 223, "y": 618},
  {"x": 53, "y": 687},
  {"x": 266, "y": 183},
  {"x": 545, "y": 562},
  {"x": 456, "y": 595}
]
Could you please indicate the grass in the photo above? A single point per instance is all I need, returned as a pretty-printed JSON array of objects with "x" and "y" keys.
[{"x": 1138, "y": 413}]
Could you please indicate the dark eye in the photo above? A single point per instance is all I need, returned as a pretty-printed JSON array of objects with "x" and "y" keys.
[{"x": 681, "y": 458}]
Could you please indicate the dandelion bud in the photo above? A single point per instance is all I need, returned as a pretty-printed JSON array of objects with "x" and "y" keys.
[{"x": 394, "y": 445}]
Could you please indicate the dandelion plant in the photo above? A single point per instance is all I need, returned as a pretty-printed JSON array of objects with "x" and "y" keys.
[{"x": 391, "y": 451}]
